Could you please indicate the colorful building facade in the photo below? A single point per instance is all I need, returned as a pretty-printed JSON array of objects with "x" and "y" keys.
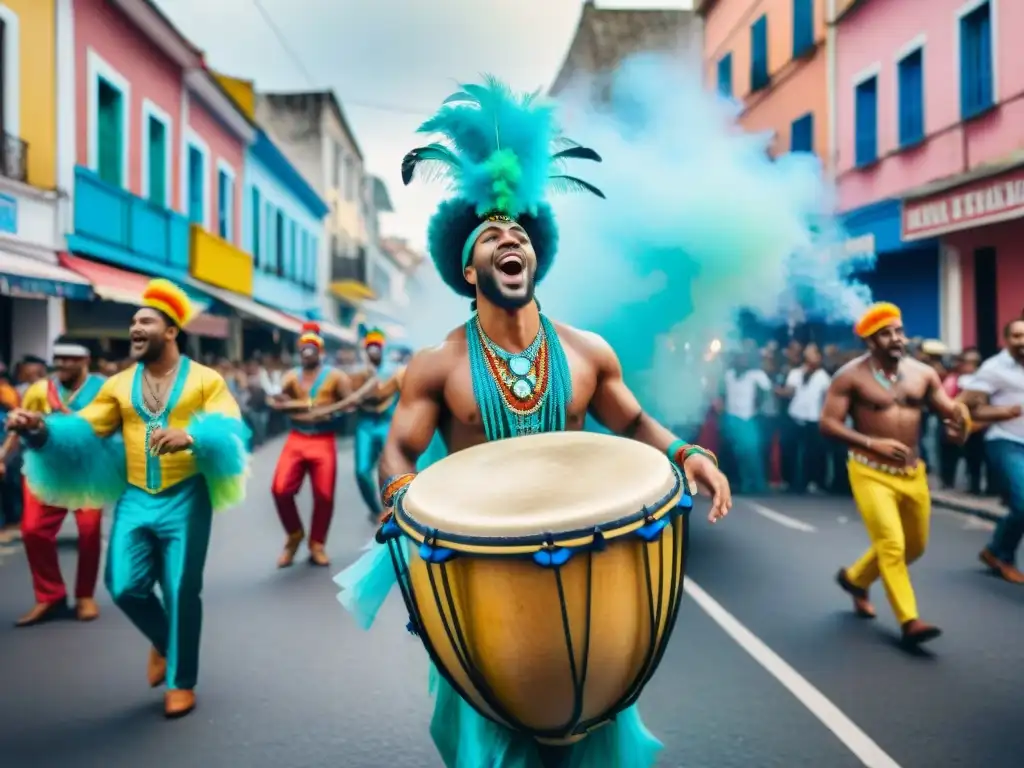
[
  {"x": 32, "y": 285},
  {"x": 930, "y": 157},
  {"x": 770, "y": 56}
]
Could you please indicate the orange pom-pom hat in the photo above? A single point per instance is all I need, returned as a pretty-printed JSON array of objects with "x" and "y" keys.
[
  {"x": 165, "y": 296},
  {"x": 876, "y": 317},
  {"x": 311, "y": 335}
]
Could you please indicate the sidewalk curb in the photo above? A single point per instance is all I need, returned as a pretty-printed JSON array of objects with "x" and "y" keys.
[{"x": 967, "y": 509}]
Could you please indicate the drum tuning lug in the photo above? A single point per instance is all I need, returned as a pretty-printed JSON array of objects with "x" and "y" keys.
[
  {"x": 411, "y": 628},
  {"x": 387, "y": 532},
  {"x": 435, "y": 555},
  {"x": 599, "y": 544},
  {"x": 652, "y": 530},
  {"x": 552, "y": 557}
]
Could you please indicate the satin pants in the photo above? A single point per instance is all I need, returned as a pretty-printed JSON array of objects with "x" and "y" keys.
[
  {"x": 163, "y": 538},
  {"x": 371, "y": 434},
  {"x": 316, "y": 456},
  {"x": 40, "y": 525},
  {"x": 896, "y": 511}
]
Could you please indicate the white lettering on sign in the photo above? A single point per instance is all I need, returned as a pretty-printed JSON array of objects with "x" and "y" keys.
[{"x": 983, "y": 204}]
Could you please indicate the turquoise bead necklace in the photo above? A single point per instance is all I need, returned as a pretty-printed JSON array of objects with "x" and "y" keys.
[{"x": 519, "y": 393}]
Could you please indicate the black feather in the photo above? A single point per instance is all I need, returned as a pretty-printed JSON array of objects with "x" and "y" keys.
[
  {"x": 437, "y": 157},
  {"x": 577, "y": 153},
  {"x": 572, "y": 184}
]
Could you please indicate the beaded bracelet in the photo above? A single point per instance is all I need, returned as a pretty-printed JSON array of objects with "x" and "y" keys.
[
  {"x": 682, "y": 447},
  {"x": 392, "y": 486}
]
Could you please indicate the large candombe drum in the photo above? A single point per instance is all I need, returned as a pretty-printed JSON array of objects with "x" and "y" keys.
[{"x": 544, "y": 575}]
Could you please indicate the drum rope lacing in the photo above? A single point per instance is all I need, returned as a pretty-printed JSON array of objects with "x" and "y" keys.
[
  {"x": 522, "y": 393},
  {"x": 653, "y": 654}
]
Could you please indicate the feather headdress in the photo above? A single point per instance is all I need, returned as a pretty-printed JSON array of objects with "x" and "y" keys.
[
  {"x": 501, "y": 154},
  {"x": 311, "y": 335}
]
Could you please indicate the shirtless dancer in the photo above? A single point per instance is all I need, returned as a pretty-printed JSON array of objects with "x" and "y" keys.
[
  {"x": 310, "y": 448},
  {"x": 884, "y": 392}
]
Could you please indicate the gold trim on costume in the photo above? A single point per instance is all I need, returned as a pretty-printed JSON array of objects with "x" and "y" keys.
[{"x": 880, "y": 467}]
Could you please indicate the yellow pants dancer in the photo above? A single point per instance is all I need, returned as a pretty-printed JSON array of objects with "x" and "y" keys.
[{"x": 896, "y": 507}]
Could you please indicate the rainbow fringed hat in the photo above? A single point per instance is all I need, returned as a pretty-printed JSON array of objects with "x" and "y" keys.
[
  {"x": 311, "y": 335},
  {"x": 372, "y": 336},
  {"x": 500, "y": 153},
  {"x": 876, "y": 317},
  {"x": 166, "y": 297}
]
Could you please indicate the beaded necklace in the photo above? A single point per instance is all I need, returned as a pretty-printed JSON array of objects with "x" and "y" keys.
[{"x": 519, "y": 393}]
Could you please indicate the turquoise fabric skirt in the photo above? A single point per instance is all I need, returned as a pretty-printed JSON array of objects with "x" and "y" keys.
[{"x": 464, "y": 738}]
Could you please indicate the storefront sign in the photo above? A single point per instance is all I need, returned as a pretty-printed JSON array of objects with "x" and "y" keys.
[
  {"x": 977, "y": 204},
  {"x": 41, "y": 288},
  {"x": 8, "y": 214}
]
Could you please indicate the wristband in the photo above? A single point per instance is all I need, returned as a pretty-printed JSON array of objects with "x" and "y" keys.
[
  {"x": 389, "y": 490},
  {"x": 697, "y": 450},
  {"x": 680, "y": 450},
  {"x": 673, "y": 451}
]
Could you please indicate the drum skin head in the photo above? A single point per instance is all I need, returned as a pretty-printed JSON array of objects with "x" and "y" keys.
[{"x": 557, "y": 481}]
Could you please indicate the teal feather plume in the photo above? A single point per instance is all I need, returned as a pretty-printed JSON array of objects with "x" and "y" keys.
[{"x": 499, "y": 151}]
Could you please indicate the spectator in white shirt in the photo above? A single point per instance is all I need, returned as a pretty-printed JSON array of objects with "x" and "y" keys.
[
  {"x": 995, "y": 395},
  {"x": 744, "y": 386},
  {"x": 806, "y": 387}
]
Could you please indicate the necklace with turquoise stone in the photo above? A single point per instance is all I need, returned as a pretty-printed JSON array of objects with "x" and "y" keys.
[{"x": 519, "y": 393}]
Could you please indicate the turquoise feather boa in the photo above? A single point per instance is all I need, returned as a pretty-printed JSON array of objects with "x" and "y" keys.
[
  {"x": 221, "y": 456},
  {"x": 75, "y": 468}
]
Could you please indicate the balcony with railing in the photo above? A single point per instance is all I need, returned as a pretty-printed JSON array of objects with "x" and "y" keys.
[
  {"x": 14, "y": 158},
  {"x": 113, "y": 225}
]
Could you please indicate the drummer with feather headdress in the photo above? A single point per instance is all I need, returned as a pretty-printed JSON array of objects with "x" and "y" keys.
[{"x": 509, "y": 370}]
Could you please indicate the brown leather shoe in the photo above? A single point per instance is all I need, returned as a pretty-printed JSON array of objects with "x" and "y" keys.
[
  {"x": 1004, "y": 570},
  {"x": 291, "y": 546},
  {"x": 317, "y": 555},
  {"x": 861, "y": 604},
  {"x": 43, "y": 612},
  {"x": 178, "y": 703},
  {"x": 156, "y": 669},
  {"x": 87, "y": 609},
  {"x": 916, "y": 632}
]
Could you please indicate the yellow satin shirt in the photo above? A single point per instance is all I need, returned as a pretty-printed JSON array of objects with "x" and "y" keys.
[
  {"x": 37, "y": 395},
  {"x": 119, "y": 404}
]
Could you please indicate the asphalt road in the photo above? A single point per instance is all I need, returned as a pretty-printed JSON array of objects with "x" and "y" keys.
[{"x": 766, "y": 668}]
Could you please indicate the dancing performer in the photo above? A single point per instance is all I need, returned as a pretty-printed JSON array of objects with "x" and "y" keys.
[
  {"x": 69, "y": 390},
  {"x": 311, "y": 447},
  {"x": 510, "y": 370},
  {"x": 884, "y": 392},
  {"x": 179, "y": 457}
]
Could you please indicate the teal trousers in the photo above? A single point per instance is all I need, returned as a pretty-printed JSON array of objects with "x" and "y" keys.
[{"x": 163, "y": 539}]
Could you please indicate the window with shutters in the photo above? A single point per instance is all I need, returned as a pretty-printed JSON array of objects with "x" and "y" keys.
[
  {"x": 225, "y": 202},
  {"x": 910, "y": 84},
  {"x": 759, "y": 54},
  {"x": 801, "y": 134},
  {"x": 803, "y": 27},
  {"x": 256, "y": 245},
  {"x": 279, "y": 245},
  {"x": 866, "y": 122},
  {"x": 976, "y": 76},
  {"x": 157, "y": 154},
  {"x": 725, "y": 76},
  {"x": 196, "y": 184},
  {"x": 110, "y": 134},
  {"x": 270, "y": 244}
]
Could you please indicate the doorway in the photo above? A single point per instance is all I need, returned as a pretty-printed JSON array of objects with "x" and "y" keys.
[{"x": 986, "y": 319}]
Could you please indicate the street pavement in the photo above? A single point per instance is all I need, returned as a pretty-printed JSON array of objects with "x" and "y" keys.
[{"x": 767, "y": 667}]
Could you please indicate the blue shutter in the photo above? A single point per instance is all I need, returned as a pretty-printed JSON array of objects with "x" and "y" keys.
[
  {"x": 759, "y": 54},
  {"x": 866, "y": 122},
  {"x": 257, "y": 210},
  {"x": 976, "y": 61},
  {"x": 223, "y": 205},
  {"x": 803, "y": 27},
  {"x": 910, "y": 74},
  {"x": 725, "y": 75},
  {"x": 801, "y": 134}
]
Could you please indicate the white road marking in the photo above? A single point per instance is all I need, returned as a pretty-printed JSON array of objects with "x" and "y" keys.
[
  {"x": 858, "y": 742},
  {"x": 781, "y": 519}
]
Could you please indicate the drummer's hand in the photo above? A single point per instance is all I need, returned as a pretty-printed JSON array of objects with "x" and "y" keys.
[{"x": 702, "y": 473}]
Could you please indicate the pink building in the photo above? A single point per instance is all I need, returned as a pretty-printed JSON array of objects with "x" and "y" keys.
[
  {"x": 159, "y": 147},
  {"x": 929, "y": 99}
]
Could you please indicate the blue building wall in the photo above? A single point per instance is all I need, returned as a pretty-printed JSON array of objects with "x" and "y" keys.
[
  {"x": 287, "y": 262},
  {"x": 907, "y": 274},
  {"x": 120, "y": 228}
]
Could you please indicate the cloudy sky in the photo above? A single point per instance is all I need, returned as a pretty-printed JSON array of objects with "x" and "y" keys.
[{"x": 390, "y": 62}]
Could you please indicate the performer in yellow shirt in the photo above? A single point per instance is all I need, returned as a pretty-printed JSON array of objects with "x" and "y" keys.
[
  {"x": 182, "y": 457},
  {"x": 69, "y": 390}
]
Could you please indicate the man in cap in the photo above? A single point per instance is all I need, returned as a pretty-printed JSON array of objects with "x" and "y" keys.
[
  {"x": 884, "y": 392},
  {"x": 68, "y": 390}
]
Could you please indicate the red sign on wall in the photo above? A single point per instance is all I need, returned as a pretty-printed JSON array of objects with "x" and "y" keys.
[{"x": 988, "y": 201}]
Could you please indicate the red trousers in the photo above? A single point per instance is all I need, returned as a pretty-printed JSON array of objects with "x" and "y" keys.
[
  {"x": 317, "y": 456},
  {"x": 40, "y": 525}
]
